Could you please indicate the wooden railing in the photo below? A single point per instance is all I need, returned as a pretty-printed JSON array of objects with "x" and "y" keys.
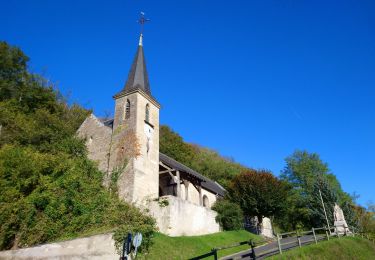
[{"x": 286, "y": 241}]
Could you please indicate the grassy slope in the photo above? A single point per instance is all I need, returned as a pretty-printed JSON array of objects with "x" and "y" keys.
[
  {"x": 343, "y": 248},
  {"x": 165, "y": 247}
]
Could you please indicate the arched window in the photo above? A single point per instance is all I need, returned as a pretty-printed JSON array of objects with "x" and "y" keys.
[
  {"x": 127, "y": 109},
  {"x": 147, "y": 117},
  {"x": 206, "y": 203}
]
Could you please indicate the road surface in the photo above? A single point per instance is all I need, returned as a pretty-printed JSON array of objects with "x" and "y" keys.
[{"x": 272, "y": 248}]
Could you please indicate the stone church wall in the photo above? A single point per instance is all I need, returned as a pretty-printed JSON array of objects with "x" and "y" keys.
[
  {"x": 139, "y": 181},
  {"x": 98, "y": 138},
  {"x": 183, "y": 218},
  {"x": 193, "y": 195}
]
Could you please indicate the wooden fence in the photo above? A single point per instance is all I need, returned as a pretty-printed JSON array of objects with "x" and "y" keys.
[{"x": 286, "y": 241}]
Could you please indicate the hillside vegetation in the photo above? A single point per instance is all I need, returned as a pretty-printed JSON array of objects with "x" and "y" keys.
[
  {"x": 343, "y": 248},
  {"x": 50, "y": 190},
  {"x": 203, "y": 160}
]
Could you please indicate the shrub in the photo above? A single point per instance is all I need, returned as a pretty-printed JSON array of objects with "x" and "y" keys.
[{"x": 229, "y": 215}]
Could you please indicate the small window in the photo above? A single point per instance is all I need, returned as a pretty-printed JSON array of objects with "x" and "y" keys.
[
  {"x": 206, "y": 203},
  {"x": 90, "y": 140},
  {"x": 147, "y": 117},
  {"x": 127, "y": 109}
]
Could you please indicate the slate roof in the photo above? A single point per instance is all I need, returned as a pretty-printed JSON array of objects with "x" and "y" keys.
[
  {"x": 107, "y": 122},
  {"x": 138, "y": 76},
  {"x": 206, "y": 182}
]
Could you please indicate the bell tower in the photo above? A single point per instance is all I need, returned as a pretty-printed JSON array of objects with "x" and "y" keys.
[{"x": 134, "y": 152}]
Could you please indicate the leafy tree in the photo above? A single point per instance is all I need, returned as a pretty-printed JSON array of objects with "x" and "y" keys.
[
  {"x": 229, "y": 214},
  {"x": 296, "y": 215},
  {"x": 302, "y": 171},
  {"x": 258, "y": 193},
  {"x": 365, "y": 220},
  {"x": 12, "y": 71},
  {"x": 348, "y": 209},
  {"x": 303, "y": 168},
  {"x": 329, "y": 198}
]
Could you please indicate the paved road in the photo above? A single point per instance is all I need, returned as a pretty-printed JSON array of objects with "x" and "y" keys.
[{"x": 272, "y": 248}]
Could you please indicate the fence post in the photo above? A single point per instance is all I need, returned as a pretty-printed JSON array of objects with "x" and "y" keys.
[
  {"x": 316, "y": 241},
  {"x": 279, "y": 244},
  {"x": 214, "y": 250},
  {"x": 298, "y": 239},
  {"x": 252, "y": 244},
  {"x": 327, "y": 234}
]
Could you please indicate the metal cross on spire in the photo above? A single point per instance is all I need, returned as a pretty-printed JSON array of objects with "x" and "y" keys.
[{"x": 142, "y": 20}]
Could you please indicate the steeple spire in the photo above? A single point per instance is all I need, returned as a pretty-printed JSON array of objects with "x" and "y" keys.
[{"x": 138, "y": 77}]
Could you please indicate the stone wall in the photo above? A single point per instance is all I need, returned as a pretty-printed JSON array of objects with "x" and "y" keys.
[
  {"x": 140, "y": 181},
  {"x": 98, "y": 139},
  {"x": 99, "y": 247},
  {"x": 193, "y": 195},
  {"x": 183, "y": 218}
]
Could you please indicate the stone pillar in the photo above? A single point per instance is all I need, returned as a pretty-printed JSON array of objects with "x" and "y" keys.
[
  {"x": 200, "y": 195},
  {"x": 178, "y": 179},
  {"x": 186, "y": 184}
]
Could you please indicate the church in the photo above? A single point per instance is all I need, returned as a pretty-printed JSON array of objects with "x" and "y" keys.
[{"x": 126, "y": 149}]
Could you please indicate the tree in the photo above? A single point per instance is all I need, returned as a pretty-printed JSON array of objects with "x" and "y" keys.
[
  {"x": 13, "y": 64},
  {"x": 348, "y": 208},
  {"x": 302, "y": 171},
  {"x": 303, "y": 168},
  {"x": 365, "y": 220},
  {"x": 258, "y": 193},
  {"x": 295, "y": 215},
  {"x": 229, "y": 214},
  {"x": 318, "y": 219}
]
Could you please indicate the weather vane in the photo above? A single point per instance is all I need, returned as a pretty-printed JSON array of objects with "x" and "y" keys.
[{"x": 142, "y": 20}]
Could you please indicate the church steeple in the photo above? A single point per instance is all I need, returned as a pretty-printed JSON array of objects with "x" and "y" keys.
[
  {"x": 136, "y": 120},
  {"x": 138, "y": 76}
]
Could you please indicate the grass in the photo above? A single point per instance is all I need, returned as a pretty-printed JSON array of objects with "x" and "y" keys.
[
  {"x": 343, "y": 248},
  {"x": 166, "y": 247}
]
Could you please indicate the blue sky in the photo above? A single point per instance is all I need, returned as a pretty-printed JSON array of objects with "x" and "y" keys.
[{"x": 254, "y": 80}]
